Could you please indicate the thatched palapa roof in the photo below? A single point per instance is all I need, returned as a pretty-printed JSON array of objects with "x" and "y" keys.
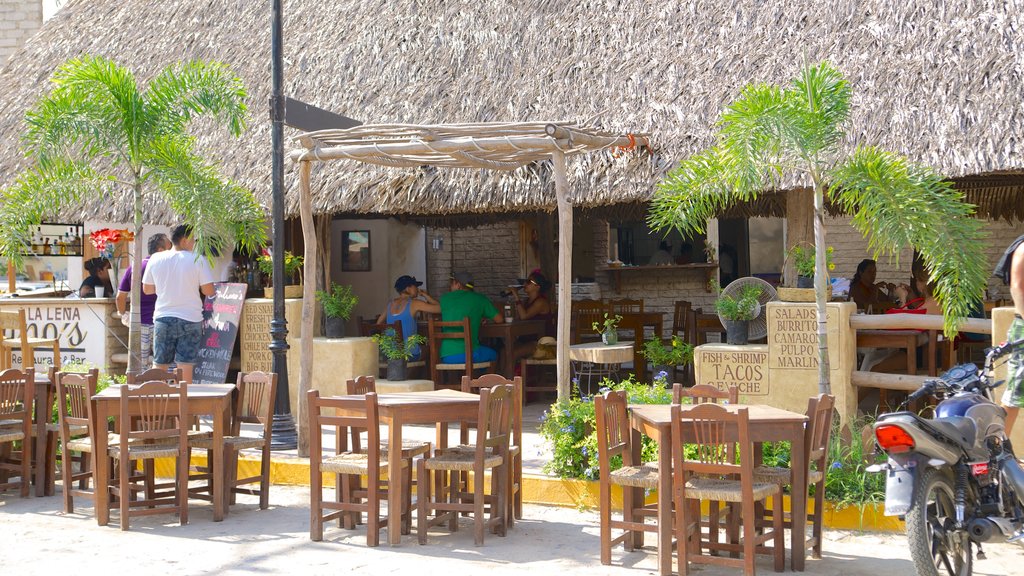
[{"x": 939, "y": 81}]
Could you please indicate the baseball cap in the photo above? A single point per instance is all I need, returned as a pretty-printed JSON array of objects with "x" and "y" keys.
[
  {"x": 464, "y": 278},
  {"x": 404, "y": 282}
]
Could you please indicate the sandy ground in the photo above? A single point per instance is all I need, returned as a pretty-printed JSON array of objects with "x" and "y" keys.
[{"x": 39, "y": 539}]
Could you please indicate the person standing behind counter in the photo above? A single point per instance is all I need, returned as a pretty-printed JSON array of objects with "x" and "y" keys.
[
  {"x": 461, "y": 303},
  {"x": 99, "y": 277},
  {"x": 405, "y": 307}
]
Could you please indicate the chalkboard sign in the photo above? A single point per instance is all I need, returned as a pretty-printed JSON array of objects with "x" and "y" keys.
[{"x": 221, "y": 313}]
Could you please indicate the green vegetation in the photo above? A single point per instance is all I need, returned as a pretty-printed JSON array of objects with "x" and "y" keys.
[
  {"x": 676, "y": 353},
  {"x": 392, "y": 349},
  {"x": 339, "y": 302},
  {"x": 743, "y": 307}
]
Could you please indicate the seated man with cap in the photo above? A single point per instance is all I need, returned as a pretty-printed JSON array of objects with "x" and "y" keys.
[
  {"x": 463, "y": 302},
  {"x": 410, "y": 302}
]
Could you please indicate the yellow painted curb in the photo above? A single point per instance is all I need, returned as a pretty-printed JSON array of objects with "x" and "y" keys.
[{"x": 539, "y": 489}]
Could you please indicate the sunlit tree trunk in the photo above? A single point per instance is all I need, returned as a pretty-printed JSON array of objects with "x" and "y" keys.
[{"x": 821, "y": 286}]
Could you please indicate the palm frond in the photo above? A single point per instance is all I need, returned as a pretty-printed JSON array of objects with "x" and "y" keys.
[
  {"x": 755, "y": 142},
  {"x": 195, "y": 88},
  {"x": 821, "y": 97},
  {"x": 692, "y": 193},
  {"x": 897, "y": 203}
]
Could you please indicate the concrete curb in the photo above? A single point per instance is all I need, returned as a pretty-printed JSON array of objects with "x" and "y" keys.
[{"x": 538, "y": 489}]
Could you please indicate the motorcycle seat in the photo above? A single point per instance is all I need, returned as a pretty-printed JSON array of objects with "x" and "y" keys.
[{"x": 955, "y": 428}]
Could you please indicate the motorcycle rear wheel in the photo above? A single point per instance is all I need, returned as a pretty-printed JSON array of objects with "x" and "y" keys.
[{"x": 935, "y": 547}]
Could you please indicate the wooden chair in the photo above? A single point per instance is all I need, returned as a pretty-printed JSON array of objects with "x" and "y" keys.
[
  {"x": 816, "y": 438},
  {"x": 681, "y": 319},
  {"x": 168, "y": 375},
  {"x": 625, "y": 306},
  {"x": 151, "y": 414},
  {"x": 489, "y": 453},
  {"x": 254, "y": 404},
  {"x": 17, "y": 323},
  {"x": 704, "y": 393},
  {"x": 16, "y": 393},
  {"x": 460, "y": 330},
  {"x": 74, "y": 409},
  {"x": 349, "y": 417},
  {"x": 704, "y": 324},
  {"x": 362, "y": 385},
  {"x": 515, "y": 449},
  {"x": 713, "y": 476},
  {"x": 148, "y": 466},
  {"x": 614, "y": 439},
  {"x": 583, "y": 314}
]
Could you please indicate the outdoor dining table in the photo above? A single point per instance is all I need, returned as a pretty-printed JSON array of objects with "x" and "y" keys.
[
  {"x": 509, "y": 332},
  {"x": 767, "y": 424},
  {"x": 203, "y": 400},
  {"x": 432, "y": 407}
]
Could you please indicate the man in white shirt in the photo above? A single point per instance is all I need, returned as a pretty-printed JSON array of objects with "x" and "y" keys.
[{"x": 177, "y": 277}]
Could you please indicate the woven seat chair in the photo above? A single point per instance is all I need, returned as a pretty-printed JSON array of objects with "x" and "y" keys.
[
  {"x": 349, "y": 417},
  {"x": 515, "y": 450},
  {"x": 437, "y": 334},
  {"x": 490, "y": 452},
  {"x": 254, "y": 404},
  {"x": 18, "y": 323},
  {"x": 713, "y": 476},
  {"x": 16, "y": 392},
  {"x": 614, "y": 439},
  {"x": 361, "y": 386},
  {"x": 74, "y": 411},
  {"x": 151, "y": 417},
  {"x": 816, "y": 439}
]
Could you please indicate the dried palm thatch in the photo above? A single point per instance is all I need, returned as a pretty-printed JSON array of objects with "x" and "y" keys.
[{"x": 936, "y": 80}]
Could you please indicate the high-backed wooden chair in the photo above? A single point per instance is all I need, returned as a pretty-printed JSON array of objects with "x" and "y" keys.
[
  {"x": 349, "y": 417},
  {"x": 681, "y": 319},
  {"x": 625, "y": 306},
  {"x": 713, "y": 475},
  {"x": 459, "y": 330},
  {"x": 16, "y": 322},
  {"x": 816, "y": 438},
  {"x": 704, "y": 324},
  {"x": 360, "y": 386},
  {"x": 614, "y": 439},
  {"x": 74, "y": 409},
  {"x": 254, "y": 404},
  {"x": 515, "y": 449},
  {"x": 170, "y": 376},
  {"x": 151, "y": 419},
  {"x": 490, "y": 452},
  {"x": 583, "y": 314},
  {"x": 16, "y": 392}
]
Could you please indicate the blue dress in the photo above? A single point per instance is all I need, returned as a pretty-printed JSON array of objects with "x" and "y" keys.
[{"x": 408, "y": 322}]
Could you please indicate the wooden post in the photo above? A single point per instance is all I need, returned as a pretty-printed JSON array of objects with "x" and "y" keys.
[
  {"x": 564, "y": 272},
  {"x": 799, "y": 226},
  {"x": 309, "y": 267}
]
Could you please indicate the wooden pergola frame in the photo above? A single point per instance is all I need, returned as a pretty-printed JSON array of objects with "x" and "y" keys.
[{"x": 494, "y": 146}]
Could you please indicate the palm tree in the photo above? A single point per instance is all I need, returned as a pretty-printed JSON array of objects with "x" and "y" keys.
[
  {"x": 772, "y": 136},
  {"x": 97, "y": 132}
]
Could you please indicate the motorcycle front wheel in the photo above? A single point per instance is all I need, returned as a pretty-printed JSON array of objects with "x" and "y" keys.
[{"x": 935, "y": 547}]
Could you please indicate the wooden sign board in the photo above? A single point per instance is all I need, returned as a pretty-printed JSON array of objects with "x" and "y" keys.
[
  {"x": 221, "y": 315},
  {"x": 722, "y": 366},
  {"x": 793, "y": 337}
]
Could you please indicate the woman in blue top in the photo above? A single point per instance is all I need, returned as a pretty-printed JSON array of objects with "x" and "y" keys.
[{"x": 410, "y": 302}]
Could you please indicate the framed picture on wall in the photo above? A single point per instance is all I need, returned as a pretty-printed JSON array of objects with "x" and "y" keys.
[{"x": 355, "y": 251}]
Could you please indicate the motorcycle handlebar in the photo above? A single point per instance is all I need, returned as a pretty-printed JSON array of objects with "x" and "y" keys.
[{"x": 1003, "y": 349}]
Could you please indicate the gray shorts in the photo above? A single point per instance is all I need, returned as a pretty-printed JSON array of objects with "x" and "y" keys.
[
  {"x": 176, "y": 340},
  {"x": 1014, "y": 394}
]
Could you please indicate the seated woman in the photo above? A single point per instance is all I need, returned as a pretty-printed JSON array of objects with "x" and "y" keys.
[
  {"x": 536, "y": 306},
  {"x": 410, "y": 302},
  {"x": 863, "y": 289},
  {"x": 887, "y": 360},
  {"x": 99, "y": 277}
]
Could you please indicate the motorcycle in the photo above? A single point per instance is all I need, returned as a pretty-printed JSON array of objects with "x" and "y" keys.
[{"x": 954, "y": 477}]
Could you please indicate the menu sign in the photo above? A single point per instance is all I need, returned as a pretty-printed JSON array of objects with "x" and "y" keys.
[
  {"x": 747, "y": 369},
  {"x": 221, "y": 314},
  {"x": 256, "y": 319},
  {"x": 793, "y": 337}
]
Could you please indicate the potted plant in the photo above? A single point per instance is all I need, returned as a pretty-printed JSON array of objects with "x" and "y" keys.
[
  {"x": 665, "y": 357},
  {"x": 737, "y": 312},
  {"x": 338, "y": 305},
  {"x": 292, "y": 271},
  {"x": 397, "y": 353},
  {"x": 607, "y": 328},
  {"x": 803, "y": 261}
]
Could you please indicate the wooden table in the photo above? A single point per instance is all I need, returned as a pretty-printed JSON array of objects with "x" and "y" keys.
[
  {"x": 907, "y": 340},
  {"x": 203, "y": 399},
  {"x": 767, "y": 424},
  {"x": 509, "y": 332},
  {"x": 585, "y": 357},
  {"x": 433, "y": 407}
]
